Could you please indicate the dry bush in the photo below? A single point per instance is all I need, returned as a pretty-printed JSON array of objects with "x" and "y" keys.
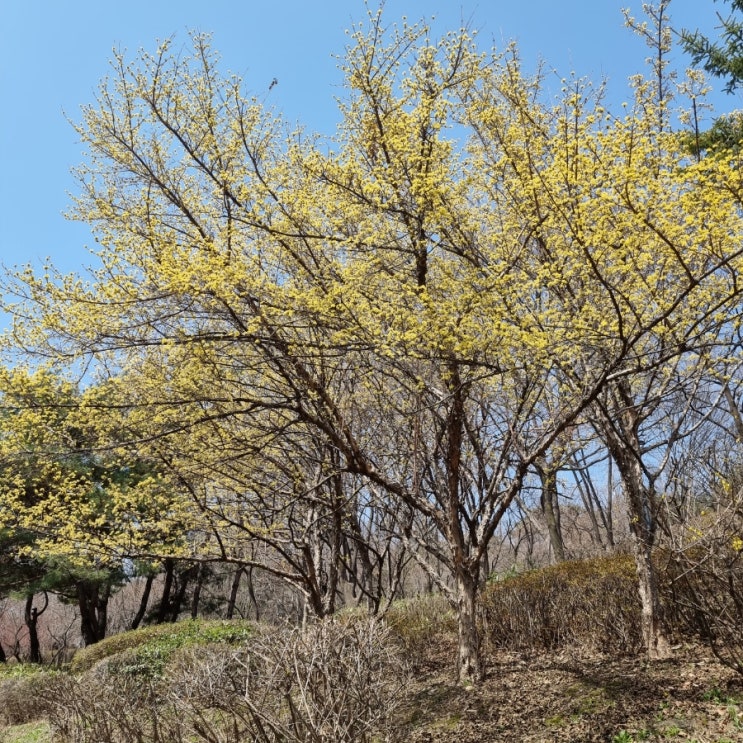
[
  {"x": 417, "y": 622},
  {"x": 705, "y": 579},
  {"x": 122, "y": 689},
  {"x": 23, "y": 694},
  {"x": 588, "y": 605},
  {"x": 98, "y": 707},
  {"x": 338, "y": 680},
  {"x": 708, "y": 599}
]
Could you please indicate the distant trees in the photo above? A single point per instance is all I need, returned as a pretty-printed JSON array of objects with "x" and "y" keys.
[
  {"x": 70, "y": 514},
  {"x": 355, "y": 352}
]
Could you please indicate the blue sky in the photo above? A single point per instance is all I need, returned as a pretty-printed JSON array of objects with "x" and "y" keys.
[{"x": 53, "y": 54}]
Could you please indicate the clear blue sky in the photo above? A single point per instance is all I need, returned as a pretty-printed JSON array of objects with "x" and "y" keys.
[{"x": 53, "y": 54}]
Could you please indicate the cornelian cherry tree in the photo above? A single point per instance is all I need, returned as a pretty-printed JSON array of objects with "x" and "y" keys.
[{"x": 414, "y": 309}]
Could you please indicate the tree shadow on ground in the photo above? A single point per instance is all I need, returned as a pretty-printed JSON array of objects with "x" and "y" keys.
[{"x": 562, "y": 697}]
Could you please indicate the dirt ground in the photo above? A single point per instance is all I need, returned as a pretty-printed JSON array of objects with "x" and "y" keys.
[{"x": 559, "y": 697}]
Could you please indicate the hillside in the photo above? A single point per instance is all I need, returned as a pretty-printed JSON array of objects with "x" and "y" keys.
[
  {"x": 555, "y": 697},
  {"x": 545, "y": 696}
]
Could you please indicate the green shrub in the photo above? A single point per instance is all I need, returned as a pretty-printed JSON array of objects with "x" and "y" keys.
[{"x": 150, "y": 647}]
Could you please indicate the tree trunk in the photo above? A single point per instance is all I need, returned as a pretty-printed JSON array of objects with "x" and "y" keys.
[
  {"x": 734, "y": 411},
  {"x": 466, "y": 572},
  {"x": 102, "y": 609},
  {"x": 234, "y": 588},
  {"x": 31, "y": 615},
  {"x": 180, "y": 595},
  {"x": 626, "y": 450},
  {"x": 251, "y": 593},
  {"x": 469, "y": 661},
  {"x": 656, "y": 644},
  {"x": 551, "y": 508},
  {"x": 330, "y": 589},
  {"x": 93, "y": 607},
  {"x": 361, "y": 573},
  {"x": 643, "y": 539},
  {"x": 162, "y": 611},
  {"x": 200, "y": 578},
  {"x": 139, "y": 616}
]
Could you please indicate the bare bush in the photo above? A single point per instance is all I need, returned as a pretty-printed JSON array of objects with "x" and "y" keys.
[
  {"x": 23, "y": 696},
  {"x": 100, "y": 707},
  {"x": 588, "y": 605},
  {"x": 705, "y": 572},
  {"x": 338, "y": 680}
]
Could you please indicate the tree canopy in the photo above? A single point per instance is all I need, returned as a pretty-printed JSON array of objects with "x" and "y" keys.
[{"x": 407, "y": 316}]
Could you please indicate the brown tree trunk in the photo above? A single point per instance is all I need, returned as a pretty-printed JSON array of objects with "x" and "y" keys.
[
  {"x": 251, "y": 593},
  {"x": 104, "y": 594},
  {"x": 180, "y": 594},
  {"x": 626, "y": 450},
  {"x": 139, "y": 616},
  {"x": 162, "y": 611},
  {"x": 643, "y": 539},
  {"x": 551, "y": 508},
  {"x": 330, "y": 589},
  {"x": 31, "y": 615},
  {"x": 734, "y": 411},
  {"x": 234, "y": 588},
  {"x": 361, "y": 573},
  {"x": 469, "y": 660},
  {"x": 466, "y": 573},
  {"x": 656, "y": 643},
  {"x": 92, "y": 600},
  {"x": 196, "y": 598}
]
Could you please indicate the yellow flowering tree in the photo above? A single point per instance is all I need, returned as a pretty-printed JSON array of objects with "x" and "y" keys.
[
  {"x": 414, "y": 310},
  {"x": 69, "y": 514}
]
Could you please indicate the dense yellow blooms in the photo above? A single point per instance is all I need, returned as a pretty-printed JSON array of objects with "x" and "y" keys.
[{"x": 461, "y": 256}]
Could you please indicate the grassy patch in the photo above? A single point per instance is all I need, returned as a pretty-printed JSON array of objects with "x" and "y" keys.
[
  {"x": 147, "y": 650},
  {"x": 20, "y": 670},
  {"x": 32, "y": 732}
]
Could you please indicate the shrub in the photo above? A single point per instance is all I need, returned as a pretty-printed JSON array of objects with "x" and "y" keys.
[
  {"x": 103, "y": 708},
  {"x": 152, "y": 646},
  {"x": 338, "y": 680},
  {"x": 119, "y": 690},
  {"x": 588, "y": 604},
  {"x": 415, "y": 623},
  {"x": 706, "y": 581},
  {"x": 23, "y": 693}
]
